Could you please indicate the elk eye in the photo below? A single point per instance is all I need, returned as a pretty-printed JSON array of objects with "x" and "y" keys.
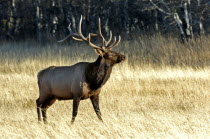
[{"x": 106, "y": 56}]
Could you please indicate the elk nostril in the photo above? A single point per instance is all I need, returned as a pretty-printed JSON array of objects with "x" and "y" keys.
[{"x": 121, "y": 58}]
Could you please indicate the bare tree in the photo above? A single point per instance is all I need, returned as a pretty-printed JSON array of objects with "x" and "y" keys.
[
  {"x": 47, "y": 20},
  {"x": 183, "y": 23},
  {"x": 39, "y": 16}
]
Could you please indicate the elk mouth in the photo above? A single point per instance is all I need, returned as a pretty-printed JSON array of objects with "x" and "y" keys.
[{"x": 121, "y": 59}]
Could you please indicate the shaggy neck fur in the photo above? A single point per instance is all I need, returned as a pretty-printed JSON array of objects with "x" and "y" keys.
[{"x": 97, "y": 73}]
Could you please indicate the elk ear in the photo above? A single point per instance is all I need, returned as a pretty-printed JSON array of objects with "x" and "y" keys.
[{"x": 99, "y": 52}]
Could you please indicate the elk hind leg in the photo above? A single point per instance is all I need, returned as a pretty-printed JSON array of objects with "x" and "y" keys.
[
  {"x": 38, "y": 104},
  {"x": 48, "y": 102}
]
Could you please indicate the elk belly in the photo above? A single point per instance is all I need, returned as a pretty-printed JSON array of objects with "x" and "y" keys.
[{"x": 61, "y": 88}]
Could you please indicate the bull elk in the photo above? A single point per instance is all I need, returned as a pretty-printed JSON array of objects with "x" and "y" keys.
[{"x": 80, "y": 81}]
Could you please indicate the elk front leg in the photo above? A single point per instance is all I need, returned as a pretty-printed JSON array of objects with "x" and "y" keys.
[
  {"x": 75, "y": 108},
  {"x": 95, "y": 101},
  {"x": 38, "y": 110}
]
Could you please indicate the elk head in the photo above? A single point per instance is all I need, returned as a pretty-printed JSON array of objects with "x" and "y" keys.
[{"x": 105, "y": 50}]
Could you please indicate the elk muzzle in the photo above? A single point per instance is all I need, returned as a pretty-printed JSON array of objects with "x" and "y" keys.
[{"x": 121, "y": 58}]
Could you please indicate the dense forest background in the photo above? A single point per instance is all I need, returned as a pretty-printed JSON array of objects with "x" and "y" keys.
[{"x": 46, "y": 20}]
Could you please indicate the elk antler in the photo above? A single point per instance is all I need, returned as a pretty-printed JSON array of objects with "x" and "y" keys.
[
  {"x": 114, "y": 43},
  {"x": 105, "y": 44},
  {"x": 71, "y": 34},
  {"x": 79, "y": 34}
]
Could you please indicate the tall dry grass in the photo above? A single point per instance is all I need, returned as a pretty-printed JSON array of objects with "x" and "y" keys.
[{"x": 162, "y": 90}]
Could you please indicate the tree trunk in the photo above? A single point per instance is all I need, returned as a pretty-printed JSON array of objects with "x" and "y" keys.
[
  {"x": 200, "y": 22},
  {"x": 38, "y": 22},
  {"x": 186, "y": 21},
  {"x": 179, "y": 24},
  {"x": 190, "y": 18},
  {"x": 55, "y": 19},
  {"x": 11, "y": 19},
  {"x": 126, "y": 19},
  {"x": 156, "y": 20}
]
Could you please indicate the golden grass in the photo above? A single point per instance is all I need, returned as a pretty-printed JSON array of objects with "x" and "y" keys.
[{"x": 161, "y": 91}]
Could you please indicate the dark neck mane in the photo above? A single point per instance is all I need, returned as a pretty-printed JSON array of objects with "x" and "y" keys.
[{"x": 97, "y": 73}]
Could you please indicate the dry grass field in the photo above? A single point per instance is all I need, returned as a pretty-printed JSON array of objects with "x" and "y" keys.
[{"x": 161, "y": 91}]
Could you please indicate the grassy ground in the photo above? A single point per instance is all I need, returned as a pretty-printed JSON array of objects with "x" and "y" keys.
[{"x": 162, "y": 90}]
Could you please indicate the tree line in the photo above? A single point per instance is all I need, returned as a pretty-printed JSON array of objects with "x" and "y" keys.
[{"x": 47, "y": 20}]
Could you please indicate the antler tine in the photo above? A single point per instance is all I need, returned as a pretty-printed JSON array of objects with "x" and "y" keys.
[
  {"x": 109, "y": 46},
  {"x": 80, "y": 32},
  {"x": 91, "y": 34},
  {"x": 80, "y": 29},
  {"x": 77, "y": 39},
  {"x": 110, "y": 38},
  {"x": 64, "y": 38},
  {"x": 93, "y": 45},
  {"x": 70, "y": 33},
  {"x": 88, "y": 38},
  {"x": 100, "y": 33},
  {"x": 117, "y": 42}
]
